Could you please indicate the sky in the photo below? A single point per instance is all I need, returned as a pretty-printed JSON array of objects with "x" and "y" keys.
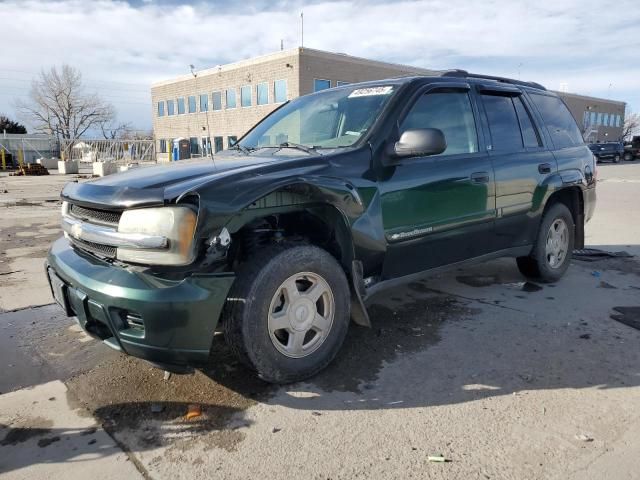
[{"x": 121, "y": 47}]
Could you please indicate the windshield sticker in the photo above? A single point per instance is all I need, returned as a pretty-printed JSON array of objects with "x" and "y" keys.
[{"x": 368, "y": 92}]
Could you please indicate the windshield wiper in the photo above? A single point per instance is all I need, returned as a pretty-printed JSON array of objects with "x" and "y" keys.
[
  {"x": 304, "y": 148},
  {"x": 243, "y": 149}
]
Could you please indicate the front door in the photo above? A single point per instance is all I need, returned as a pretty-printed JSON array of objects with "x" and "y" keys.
[{"x": 439, "y": 209}]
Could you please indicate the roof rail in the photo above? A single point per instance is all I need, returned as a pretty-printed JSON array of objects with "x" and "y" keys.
[{"x": 464, "y": 74}]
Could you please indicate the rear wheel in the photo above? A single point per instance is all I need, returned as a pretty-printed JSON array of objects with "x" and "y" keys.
[
  {"x": 552, "y": 251},
  {"x": 616, "y": 159},
  {"x": 288, "y": 313}
]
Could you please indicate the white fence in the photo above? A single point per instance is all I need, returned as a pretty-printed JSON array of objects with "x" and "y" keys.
[{"x": 118, "y": 151}]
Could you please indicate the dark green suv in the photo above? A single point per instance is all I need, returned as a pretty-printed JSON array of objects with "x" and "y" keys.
[{"x": 279, "y": 241}]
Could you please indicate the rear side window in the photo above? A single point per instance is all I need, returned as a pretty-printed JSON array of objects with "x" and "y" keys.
[
  {"x": 560, "y": 123},
  {"x": 449, "y": 112},
  {"x": 503, "y": 123},
  {"x": 530, "y": 136}
]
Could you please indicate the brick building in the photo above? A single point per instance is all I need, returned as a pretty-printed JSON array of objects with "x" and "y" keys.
[{"x": 224, "y": 102}]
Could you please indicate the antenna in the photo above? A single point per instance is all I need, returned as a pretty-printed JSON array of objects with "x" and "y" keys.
[
  {"x": 208, "y": 146},
  {"x": 302, "y": 29},
  {"x": 281, "y": 44}
]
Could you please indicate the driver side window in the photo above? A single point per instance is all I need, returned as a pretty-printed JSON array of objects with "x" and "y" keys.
[{"x": 450, "y": 112}]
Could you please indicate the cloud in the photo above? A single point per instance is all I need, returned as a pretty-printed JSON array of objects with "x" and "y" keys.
[{"x": 122, "y": 47}]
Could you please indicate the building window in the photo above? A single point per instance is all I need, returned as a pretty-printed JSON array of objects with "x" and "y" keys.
[
  {"x": 599, "y": 119},
  {"x": 192, "y": 104},
  {"x": 206, "y": 146},
  {"x": 163, "y": 145},
  {"x": 592, "y": 119},
  {"x": 245, "y": 96},
  {"x": 340, "y": 83},
  {"x": 617, "y": 120},
  {"x": 180, "y": 106},
  {"x": 170, "y": 107},
  {"x": 231, "y": 141},
  {"x": 216, "y": 98},
  {"x": 194, "y": 148},
  {"x": 280, "y": 91},
  {"x": 204, "y": 102},
  {"x": 262, "y": 93},
  {"x": 231, "y": 98},
  {"x": 319, "y": 84},
  {"x": 605, "y": 122},
  {"x": 217, "y": 144},
  {"x": 161, "y": 109}
]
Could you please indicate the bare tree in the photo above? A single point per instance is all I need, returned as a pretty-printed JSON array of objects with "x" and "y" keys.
[
  {"x": 112, "y": 131},
  {"x": 59, "y": 105},
  {"x": 631, "y": 125}
]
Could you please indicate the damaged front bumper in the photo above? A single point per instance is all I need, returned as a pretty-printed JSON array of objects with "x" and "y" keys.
[{"x": 169, "y": 322}]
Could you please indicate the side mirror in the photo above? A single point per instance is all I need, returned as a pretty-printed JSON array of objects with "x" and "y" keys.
[{"x": 420, "y": 142}]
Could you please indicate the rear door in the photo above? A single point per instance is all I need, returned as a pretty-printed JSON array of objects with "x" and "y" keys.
[
  {"x": 520, "y": 160},
  {"x": 439, "y": 209}
]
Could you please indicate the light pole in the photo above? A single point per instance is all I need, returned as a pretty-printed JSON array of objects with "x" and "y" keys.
[{"x": 208, "y": 144}]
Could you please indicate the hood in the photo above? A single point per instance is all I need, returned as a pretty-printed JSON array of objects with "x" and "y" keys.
[{"x": 157, "y": 185}]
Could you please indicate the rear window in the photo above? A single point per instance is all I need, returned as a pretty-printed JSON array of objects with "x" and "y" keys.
[{"x": 560, "y": 123}]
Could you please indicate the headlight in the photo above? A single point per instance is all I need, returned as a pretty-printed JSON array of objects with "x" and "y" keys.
[{"x": 177, "y": 224}]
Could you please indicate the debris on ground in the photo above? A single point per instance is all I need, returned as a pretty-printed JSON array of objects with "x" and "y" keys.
[
  {"x": 276, "y": 430},
  {"x": 167, "y": 375},
  {"x": 604, "y": 284},
  {"x": 594, "y": 254},
  {"x": 193, "y": 411},
  {"x": 585, "y": 336},
  {"x": 596, "y": 273},
  {"x": 437, "y": 458},
  {"x": 629, "y": 316},
  {"x": 584, "y": 438},
  {"x": 30, "y": 169}
]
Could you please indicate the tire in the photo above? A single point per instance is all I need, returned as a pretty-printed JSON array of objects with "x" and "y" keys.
[
  {"x": 548, "y": 264},
  {"x": 628, "y": 157},
  {"x": 260, "y": 302},
  {"x": 616, "y": 159}
]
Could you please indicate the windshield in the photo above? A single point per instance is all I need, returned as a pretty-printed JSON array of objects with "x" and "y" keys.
[{"x": 330, "y": 119}]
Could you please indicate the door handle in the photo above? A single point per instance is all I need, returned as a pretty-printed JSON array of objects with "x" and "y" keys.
[
  {"x": 480, "y": 177},
  {"x": 544, "y": 168}
]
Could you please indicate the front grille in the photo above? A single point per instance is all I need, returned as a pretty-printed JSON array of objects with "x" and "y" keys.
[
  {"x": 93, "y": 215},
  {"x": 95, "y": 248}
]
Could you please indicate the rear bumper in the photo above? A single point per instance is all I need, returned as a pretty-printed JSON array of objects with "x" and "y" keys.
[{"x": 163, "y": 321}]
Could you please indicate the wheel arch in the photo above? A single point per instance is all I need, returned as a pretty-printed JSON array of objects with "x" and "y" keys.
[{"x": 573, "y": 198}]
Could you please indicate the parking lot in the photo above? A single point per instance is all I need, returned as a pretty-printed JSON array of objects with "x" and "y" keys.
[{"x": 502, "y": 377}]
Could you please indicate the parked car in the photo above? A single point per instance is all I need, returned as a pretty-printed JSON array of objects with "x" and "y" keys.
[
  {"x": 332, "y": 197},
  {"x": 632, "y": 148},
  {"x": 613, "y": 151}
]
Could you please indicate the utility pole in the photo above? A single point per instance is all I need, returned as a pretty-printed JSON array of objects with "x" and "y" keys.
[{"x": 302, "y": 29}]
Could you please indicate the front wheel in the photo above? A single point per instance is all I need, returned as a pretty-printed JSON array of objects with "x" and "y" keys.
[
  {"x": 616, "y": 159},
  {"x": 288, "y": 312},
  {"x": 553, "y": 248}
]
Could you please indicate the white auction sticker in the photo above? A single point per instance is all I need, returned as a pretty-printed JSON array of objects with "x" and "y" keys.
[{"x": 367, "y": 92}]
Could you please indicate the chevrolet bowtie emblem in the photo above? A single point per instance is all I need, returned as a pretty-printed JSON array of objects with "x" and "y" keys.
[{"x": 76, "y": 230}]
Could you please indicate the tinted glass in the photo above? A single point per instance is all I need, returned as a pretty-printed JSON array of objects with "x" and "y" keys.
[
  {"x": 160, "y": 109},
  {"x": 170, "y": 107},
  {"x": 280, "y": 91},
  {"x": 231, "y": 98},
  {"x": 180, "y": 105},
  {"x": 262, "y": 94},
  {"x": 449, "y": 112},
  {"x": 232, "y": 140},
  {"x": 321, "y": 84},
  {"x": 503, "y": 123},
  {"x": 192, "y": 104},
  {"x": 560, "y": 124},
  {"x": 216, "y": 98},
  {"x": 204, "y": 102},
  {"x": 245, "y": 96},
  {"x": 530, "y": 135},
  {"x": 217, "y": 144}
]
